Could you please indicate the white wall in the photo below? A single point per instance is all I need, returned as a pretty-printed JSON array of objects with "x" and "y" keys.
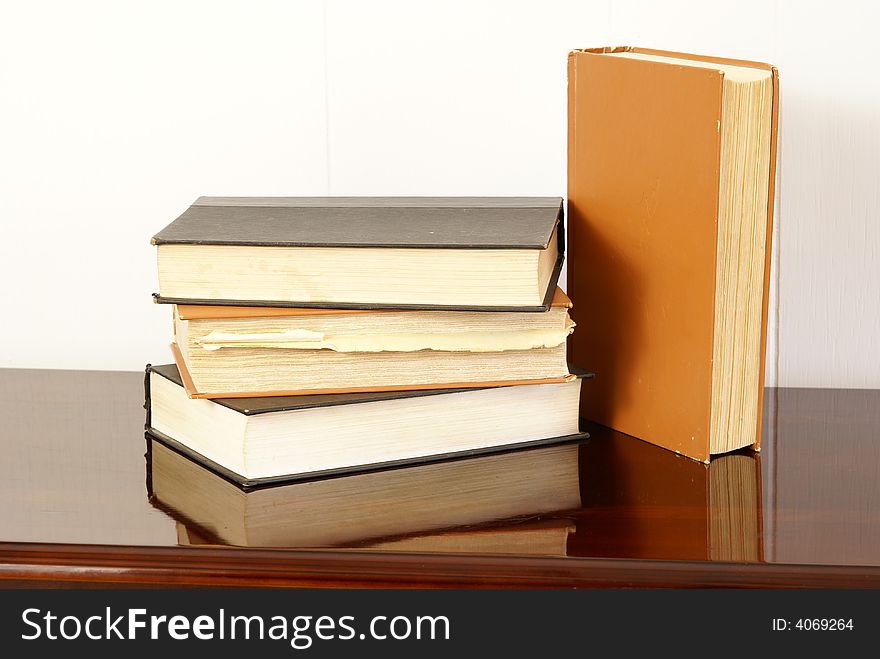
[{"x": 115, "y": 116}]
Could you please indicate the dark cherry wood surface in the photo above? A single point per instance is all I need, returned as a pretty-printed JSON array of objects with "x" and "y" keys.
[{"x": 75, "y": 508}]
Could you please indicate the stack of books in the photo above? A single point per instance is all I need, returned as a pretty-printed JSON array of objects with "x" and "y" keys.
[{"x": 325, "y": 336}]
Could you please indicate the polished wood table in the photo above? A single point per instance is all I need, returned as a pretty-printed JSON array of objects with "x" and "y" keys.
[{"x": 81, "y": 505}]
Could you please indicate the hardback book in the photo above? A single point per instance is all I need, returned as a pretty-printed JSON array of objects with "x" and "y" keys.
[
  {"x": 367, "y": 508},
  {"x": 471, "y": 253},
  {"x": 256, "y": 441},
  {"x": 259, "y": 351},
  {"x": 659, "y": 505},
  {"x": 671, "y": 165}
]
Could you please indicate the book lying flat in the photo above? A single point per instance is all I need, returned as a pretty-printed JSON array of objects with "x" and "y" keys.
[
  {"x": 671, "y": 166},
  {"x": 258, "y": 351},
  {"x": 368, "y": 508},
  {"x": 470, "y": 253},
  {"x": 259, "y": 441}
]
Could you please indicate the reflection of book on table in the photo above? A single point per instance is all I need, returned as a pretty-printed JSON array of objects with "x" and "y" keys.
[
  {"x": 735, "y": 508},
  {"x": 380, "y": 506},
  {"x": 656, "y": 504}
]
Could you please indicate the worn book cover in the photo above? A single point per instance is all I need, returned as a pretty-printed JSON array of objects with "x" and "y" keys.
[
  {"x": 190, "y": 357},
  {"x": 193, "y": 391}
]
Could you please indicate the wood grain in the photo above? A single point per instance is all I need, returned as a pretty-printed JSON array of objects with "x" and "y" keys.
[
  {"x": 74, "y": 509},
  {"x": 132, "y": 566}
]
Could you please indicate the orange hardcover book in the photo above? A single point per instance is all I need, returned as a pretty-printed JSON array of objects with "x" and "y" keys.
[
  {"x": 191, "y": 390},
  {"x": 242, "y": 352},
  {"x": 202, "y": 311},
  {"x": 671, "y": 167}
]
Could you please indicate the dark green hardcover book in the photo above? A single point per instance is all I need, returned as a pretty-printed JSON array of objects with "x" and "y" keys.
[{"x": 465, "y": 253}]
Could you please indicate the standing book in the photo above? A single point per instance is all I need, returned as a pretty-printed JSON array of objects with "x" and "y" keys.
[{"x": 671, "y": 166}]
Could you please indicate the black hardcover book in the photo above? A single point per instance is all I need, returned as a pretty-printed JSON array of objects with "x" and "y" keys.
[
  {"x": 467, "y": 253},
  {"x": 256, "y": 442}
]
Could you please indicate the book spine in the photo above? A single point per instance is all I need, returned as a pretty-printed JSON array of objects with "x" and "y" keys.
[
  {"x": 148, "y": 453},
  {"x": 147, "y": 400}
]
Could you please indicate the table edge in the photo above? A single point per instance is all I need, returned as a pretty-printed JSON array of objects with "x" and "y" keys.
[{"x": 65, "y": 565}]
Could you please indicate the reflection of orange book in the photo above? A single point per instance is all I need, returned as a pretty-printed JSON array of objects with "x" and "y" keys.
[
  {"x": 371, "y": 507},
  {"x": 670, "y": 198},
  {"x": 658, "y": 505}
]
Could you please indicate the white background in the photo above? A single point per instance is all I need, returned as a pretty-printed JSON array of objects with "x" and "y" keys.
[{"x": 115, "y": 116}]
